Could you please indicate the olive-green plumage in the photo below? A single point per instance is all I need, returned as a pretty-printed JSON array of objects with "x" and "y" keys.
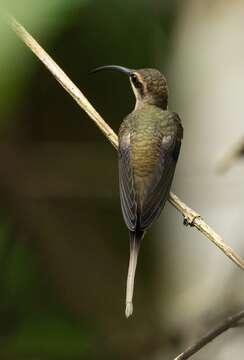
[
  {"x": 150, "y": 135},
  {"x": 149, "y": 145}
]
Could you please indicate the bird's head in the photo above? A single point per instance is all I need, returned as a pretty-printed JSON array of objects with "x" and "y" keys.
[{"x": 149, "y": 85}]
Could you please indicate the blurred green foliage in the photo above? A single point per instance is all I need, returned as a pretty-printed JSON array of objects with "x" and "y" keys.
[{"x": 63, "y": 245}]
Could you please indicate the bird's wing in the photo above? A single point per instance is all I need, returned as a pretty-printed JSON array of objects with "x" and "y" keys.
[
  {"x": 159, "y": 186},
  {"x": 127, "y": 191}
]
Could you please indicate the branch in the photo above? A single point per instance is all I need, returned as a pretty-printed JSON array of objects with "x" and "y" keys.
[
  {"x": 230, "y": 322},
  {"x": 190, "y": 216},
  {"x": 194, "y": 219},
  {"x": 63, "y": 79}
]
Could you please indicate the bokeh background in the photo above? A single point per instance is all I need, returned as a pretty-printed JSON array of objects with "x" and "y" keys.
[{"x": 63, "y": 244}]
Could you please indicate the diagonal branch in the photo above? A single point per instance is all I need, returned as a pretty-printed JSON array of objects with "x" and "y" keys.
[
  {"x": 230, "y": 322},
  {"x": 190, "y": 216}
]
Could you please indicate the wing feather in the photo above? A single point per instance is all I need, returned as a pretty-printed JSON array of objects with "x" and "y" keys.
[
  {"x": 127, "y": 191},
  {"x": 159, "y": 186}
]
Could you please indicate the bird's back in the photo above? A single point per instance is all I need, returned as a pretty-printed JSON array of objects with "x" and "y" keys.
[{"x": 149, "y": 143}]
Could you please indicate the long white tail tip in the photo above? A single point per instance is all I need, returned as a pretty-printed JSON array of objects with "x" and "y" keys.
[{"x": 128, "y": 309}]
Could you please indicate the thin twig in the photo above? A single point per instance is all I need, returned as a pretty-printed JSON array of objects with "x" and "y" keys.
[
  {"x": 230, "y": 322},
  {"x": 63, "y": 79},
  {"x": 190, "y": 216},
  {"x": 194, "y": 219}
]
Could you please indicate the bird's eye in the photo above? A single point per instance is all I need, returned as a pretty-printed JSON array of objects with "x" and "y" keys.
[{"x": 135, "y": 81}]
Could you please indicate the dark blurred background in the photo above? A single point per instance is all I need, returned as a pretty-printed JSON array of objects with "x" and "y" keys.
[{"x": 63, "y": 244}]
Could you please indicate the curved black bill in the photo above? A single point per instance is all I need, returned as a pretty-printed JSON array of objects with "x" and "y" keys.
[{"x": 115, "y": 68}]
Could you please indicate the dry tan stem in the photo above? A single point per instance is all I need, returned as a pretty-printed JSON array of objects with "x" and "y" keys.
[
  {"x": 194, "y": 219},
  {"x": 190, "y": 216},
  {"x": 230, "y": 322},
  {"x": 63, "y": 79}
]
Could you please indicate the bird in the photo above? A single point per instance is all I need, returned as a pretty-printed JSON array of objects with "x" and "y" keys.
[{"x": 149, "y": 143}]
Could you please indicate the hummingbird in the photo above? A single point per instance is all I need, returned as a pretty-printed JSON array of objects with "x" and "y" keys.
[{"x": 149, "y": 146}]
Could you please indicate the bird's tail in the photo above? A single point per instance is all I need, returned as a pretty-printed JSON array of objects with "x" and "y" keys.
[{"x": 135, "y": 242}]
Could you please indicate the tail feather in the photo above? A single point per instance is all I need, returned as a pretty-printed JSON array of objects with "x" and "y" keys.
[{"x": 135, "y": 242}]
